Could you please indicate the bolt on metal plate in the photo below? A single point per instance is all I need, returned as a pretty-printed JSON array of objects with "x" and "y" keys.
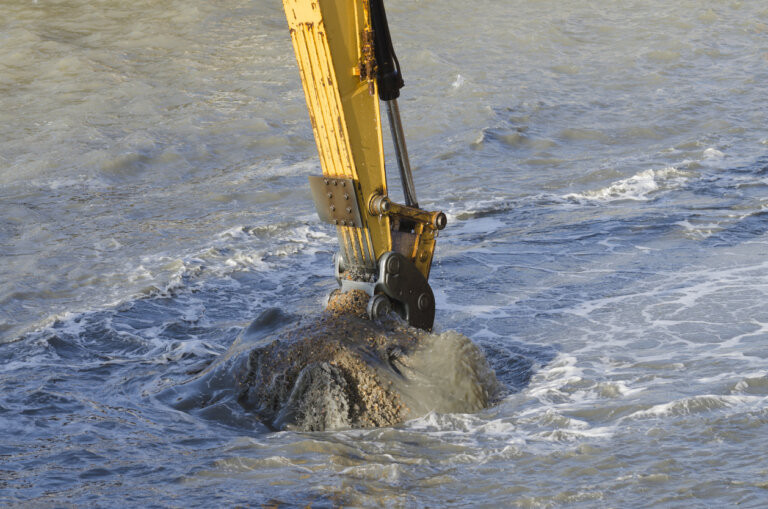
[{"x": 336, "y": 200}]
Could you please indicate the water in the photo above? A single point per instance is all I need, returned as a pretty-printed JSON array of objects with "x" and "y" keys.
[{"x": 604, "y": 168}]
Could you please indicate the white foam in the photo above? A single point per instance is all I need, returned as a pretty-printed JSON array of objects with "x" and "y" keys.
[
  {"x": 638, "y": 187},
  {"x": 470, "y": 429},
  {"x": 698, "y": 404},
  {"x": 711, "y": 154},
  {"x": 570, "y": 435},
  {"x": 263, "y": 249},
  {"x": 548, "y": 384}
]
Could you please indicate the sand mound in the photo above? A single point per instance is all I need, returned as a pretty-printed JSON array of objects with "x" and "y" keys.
[{"x": 345, "y": 371}]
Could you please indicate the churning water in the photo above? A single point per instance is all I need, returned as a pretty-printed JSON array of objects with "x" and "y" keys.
[{"x": 604, "y": 166}]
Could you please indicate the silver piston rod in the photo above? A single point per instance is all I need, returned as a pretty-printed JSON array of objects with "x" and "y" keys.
[{"x": 401, "y": 153}]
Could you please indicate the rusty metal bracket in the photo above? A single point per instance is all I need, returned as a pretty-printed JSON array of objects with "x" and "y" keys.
[
  {"x": 366, "y": 69},
  {"x": 378, "y": 204},
  {"x": 336, "y": 200}
]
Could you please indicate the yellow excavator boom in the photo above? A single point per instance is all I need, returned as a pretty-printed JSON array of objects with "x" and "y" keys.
[
  {"x": 343, "y": 48},
  {"x": 345, "y": 116}
]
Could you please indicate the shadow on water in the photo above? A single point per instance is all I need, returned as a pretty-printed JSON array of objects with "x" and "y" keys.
[
  {"x": 746, "y": 189},
  {"x": 515, "y": 363},
  {"x": 212, "y": 393}
]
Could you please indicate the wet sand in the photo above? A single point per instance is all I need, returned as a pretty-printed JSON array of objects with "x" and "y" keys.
[{"x": 342, "y": 370}]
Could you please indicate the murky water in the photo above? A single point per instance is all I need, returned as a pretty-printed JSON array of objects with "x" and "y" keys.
[{"x": 605, "y": 171}]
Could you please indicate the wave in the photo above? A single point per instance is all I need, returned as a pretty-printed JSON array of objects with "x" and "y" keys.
[
  {"x": 697, "y": 405},
  {"x": 638, "y": 187},
  {"x": 643, "y": 186}
]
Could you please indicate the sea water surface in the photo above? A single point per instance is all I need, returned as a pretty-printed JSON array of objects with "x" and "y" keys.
[{"x": 604, "y": 168}]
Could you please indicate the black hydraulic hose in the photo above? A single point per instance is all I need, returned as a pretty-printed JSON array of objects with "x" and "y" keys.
[
  {"x": 388, "y": 76},
  {"x": 390, "y": 81}
]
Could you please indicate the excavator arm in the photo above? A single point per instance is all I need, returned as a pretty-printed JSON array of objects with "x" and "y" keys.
[{"x": 347, "y": 67}]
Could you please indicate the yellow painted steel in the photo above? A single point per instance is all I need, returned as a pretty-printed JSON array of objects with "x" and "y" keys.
[{"x": 329, "y": 38}]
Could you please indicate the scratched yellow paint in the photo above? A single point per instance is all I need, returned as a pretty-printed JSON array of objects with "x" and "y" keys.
[{"x": 345, "y": 117}]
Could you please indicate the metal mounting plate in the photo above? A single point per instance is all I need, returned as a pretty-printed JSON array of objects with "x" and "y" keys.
[
  {"x": 336, "y": 200},
  {"x": 403, "y": 283}
]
